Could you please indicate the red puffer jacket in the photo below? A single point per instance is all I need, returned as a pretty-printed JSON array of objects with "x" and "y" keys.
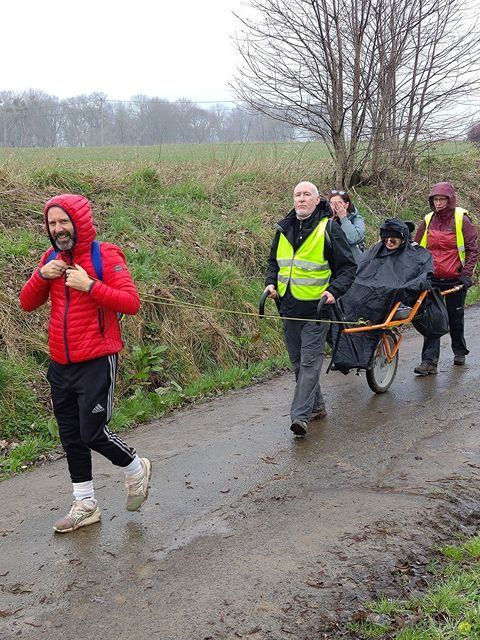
[{"x": 83, "y": 326}]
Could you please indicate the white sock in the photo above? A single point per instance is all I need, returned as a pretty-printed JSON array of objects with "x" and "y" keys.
[
  {"x": 84, "y": 491},
  {"x": 134, "y": 468}
]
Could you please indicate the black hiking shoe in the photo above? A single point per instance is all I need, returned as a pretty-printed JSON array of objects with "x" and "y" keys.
[
  {"x": 299, "y": 428},
  {"x": 426, "y": 369},
  {"x": 459, "y": 360}
]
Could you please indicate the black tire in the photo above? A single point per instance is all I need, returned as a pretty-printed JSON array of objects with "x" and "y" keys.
[{"x": 382, "y": 373}]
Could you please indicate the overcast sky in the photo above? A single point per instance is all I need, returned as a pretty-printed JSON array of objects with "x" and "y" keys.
[{"x": 165, "y": 48}]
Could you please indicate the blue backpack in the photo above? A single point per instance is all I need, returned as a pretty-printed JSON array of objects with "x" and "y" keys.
[{"x": 96, "y": 259}]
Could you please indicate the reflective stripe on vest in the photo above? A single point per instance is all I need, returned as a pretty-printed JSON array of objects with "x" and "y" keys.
[
  {"x": 459, "y": 213},
  {"x": 307, "y": 271}
]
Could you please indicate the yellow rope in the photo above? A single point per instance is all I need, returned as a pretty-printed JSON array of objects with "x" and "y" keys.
[{"x": 168, "y": 302}]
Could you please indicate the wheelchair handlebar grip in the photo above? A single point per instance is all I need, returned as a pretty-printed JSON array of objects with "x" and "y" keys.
[
  {"x": 321, "y": 304},
  {"x": 455, "y": 288},
  {"x": 261, "y": 306}
]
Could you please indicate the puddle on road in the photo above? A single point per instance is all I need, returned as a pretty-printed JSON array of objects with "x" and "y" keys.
[{"x": 208, "y": 528}]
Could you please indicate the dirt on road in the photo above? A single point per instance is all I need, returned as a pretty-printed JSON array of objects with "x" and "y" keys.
[{"x": 249, "y": 533}]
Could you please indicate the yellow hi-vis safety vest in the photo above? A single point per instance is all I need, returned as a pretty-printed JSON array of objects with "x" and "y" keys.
[
  {"x": 459, "y": 213},
  {"x": 307, "y": 271}
]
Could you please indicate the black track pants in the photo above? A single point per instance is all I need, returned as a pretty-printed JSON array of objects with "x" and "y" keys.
[{"x": 82, "y": 396}]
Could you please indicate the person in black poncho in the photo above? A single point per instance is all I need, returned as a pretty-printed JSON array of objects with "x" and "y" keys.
[{"x": 392, "y": 270}]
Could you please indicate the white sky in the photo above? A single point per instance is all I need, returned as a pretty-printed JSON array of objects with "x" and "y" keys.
[{"x": 165, "y": 48}]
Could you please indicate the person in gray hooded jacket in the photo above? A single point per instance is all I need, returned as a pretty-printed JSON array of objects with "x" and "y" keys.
[{"x": 351, "y": 221}]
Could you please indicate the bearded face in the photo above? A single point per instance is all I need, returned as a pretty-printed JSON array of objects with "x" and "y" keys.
[
  {"x": 61, "y": 228},
  {"x": 64, "y": 240}
]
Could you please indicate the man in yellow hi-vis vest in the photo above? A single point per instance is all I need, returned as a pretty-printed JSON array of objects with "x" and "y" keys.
[
  {"x": 310, "y": 258},
  {"x": 449, "y": 234}
]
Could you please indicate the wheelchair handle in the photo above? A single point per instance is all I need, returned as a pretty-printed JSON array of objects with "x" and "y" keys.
[
  {"x": 320, "y": 305},
  {"x": 457, "y": 287},
  {"x": 261, "y": 306}
]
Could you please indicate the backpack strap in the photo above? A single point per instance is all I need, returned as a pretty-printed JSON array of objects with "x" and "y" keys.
[
  {"x": 97, "y": 259},
  {"x": 51, "y": 256},
  {"x": 96, "y": 256}
]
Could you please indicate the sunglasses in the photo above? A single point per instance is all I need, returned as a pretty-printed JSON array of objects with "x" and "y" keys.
[{"x": 334, "y": 192}]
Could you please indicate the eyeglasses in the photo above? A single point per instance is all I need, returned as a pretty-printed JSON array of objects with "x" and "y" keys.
[{"x": 334, "y": 192}]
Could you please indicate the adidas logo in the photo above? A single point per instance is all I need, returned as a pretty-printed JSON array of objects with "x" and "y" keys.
[{"x": 98, "y": 409}]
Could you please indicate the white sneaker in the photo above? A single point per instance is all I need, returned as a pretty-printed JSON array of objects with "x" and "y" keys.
[
  {"x": 80, "y": 515},
  {"x": 138, "y": 487}
]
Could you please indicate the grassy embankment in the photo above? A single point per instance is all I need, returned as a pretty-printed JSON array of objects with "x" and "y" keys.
[
  {"x": 449, "y": 609},
  {"x": 196, "y": 225}
]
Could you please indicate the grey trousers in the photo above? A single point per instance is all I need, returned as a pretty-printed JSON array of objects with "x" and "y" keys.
[{"x": 305, "y": 345}]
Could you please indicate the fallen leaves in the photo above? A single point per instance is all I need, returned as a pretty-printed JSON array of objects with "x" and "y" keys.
[
  {"x": 268, "y": 459},
  {"x": 32, "y": 623},
  {"x": 16, "y": 589},
  {"x": 316, "y": 584},
  {"x": 4, "y": 613}
]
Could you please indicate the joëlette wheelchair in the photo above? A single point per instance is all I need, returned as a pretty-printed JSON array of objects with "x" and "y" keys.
[{"x": 382, "y": 366}]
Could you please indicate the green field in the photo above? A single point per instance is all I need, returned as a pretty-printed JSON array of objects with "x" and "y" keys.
[
  {"x": 195, "y": 223},
  {"x": 222, "y": 154},
  {"x": 218, "y": 154}
]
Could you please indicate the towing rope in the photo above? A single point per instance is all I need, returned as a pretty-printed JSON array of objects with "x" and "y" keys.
[{"x": 168, "y": 302}]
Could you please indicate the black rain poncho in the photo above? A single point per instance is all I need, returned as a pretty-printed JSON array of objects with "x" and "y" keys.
[{"x": 383, "y": 278}]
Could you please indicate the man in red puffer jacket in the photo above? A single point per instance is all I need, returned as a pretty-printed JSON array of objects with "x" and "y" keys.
[
  {"x": 449, "y": 234},
  {"x": 84, "y": 339}
]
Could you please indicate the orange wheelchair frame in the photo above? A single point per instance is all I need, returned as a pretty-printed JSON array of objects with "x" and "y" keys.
[
  {"x": 383, "y": 369},
  {"x": 386, "y": 352}
]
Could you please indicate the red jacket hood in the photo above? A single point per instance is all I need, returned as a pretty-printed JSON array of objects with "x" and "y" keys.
[
  {"x": 443, "y": 189},
  {"x": 78, "y": 208}
]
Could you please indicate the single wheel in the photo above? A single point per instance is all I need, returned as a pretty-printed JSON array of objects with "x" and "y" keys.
[{"x": 382, "y": 372}]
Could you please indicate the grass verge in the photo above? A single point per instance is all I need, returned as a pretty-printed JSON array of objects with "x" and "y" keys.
[{"x": 449, "y": 609}]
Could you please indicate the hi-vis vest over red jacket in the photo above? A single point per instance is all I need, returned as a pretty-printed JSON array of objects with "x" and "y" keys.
[{"x": 83, "y": 326}]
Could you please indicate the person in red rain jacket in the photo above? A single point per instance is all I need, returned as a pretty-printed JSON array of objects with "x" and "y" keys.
[
  {"x": 84, "y": 340},
  {"x": 449, "y": 234}
]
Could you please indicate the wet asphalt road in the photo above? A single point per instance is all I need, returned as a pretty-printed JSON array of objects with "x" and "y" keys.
[{"x": 247, "y": 532}]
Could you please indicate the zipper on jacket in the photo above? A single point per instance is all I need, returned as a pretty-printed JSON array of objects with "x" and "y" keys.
[
  {"x": 297, "y": 244},
  {"x": 101, "y": 321},
  {"x": 65, "y": 323},
  {"x": 67, "y": 305}
]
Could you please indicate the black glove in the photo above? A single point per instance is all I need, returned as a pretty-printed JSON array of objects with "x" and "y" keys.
[{"x": 465, "y": 280}]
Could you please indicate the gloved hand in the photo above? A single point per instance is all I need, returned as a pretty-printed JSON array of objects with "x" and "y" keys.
[{"x": 465, "y": 280}]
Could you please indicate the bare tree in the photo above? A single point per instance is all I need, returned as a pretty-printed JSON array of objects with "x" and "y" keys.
[
  {"x": 474, "y": 133},
  {"x": 367, "y": 77}
]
